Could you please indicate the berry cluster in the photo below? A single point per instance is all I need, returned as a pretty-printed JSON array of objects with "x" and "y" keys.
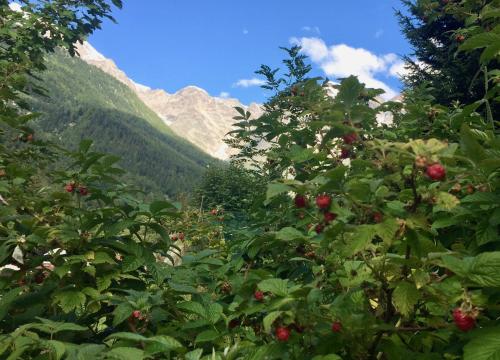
[{"x": 72, "y": 187}]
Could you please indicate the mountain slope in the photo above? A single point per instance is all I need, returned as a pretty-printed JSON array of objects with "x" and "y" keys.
[
  {"x": 85, "y": 102},
  {"x": 191, "y": 112}
]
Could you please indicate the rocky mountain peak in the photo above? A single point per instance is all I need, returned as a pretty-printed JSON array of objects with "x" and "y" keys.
[{"x": 190, "y": 112}]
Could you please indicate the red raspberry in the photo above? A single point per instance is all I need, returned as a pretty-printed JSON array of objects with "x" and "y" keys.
[
  {"x": 323, "y": 201},
  {"x": 350, "y": 138},
  {"x": 336, "y": 327},
  {"x": 258, "y": 295},
  {"x": 464, "y": 321},
  {"x": 282, "y": 333},
  {"x": 329, "y": 217},
  {"x": 345, "y": 153},
  {"x": 300, "y": 201},
  {"x": 436, "y": 172},
  {"x": 378, "y": 217}
]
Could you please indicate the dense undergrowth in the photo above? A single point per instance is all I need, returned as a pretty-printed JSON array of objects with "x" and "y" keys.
[{"x": 370, "y": 242}]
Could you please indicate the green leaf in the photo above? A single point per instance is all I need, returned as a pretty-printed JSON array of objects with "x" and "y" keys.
[
  {"x": 125, "y": 353},
  {"x": 120, "y": 226},
  {"x": 485, "y": 269},
  {"x": 289, "y": 234},
  {"x": 327, "y": 357},
  {"x": 444, "y": 222},
  {"x": 349, "y": 90},
  {"x": 193, "y": 307},
  {"x": 58, "y": 349},
  {"x": 70, "y": 300},
  {"x": 484, "y": 347},
  {"x": 158, "y": 206},
  {"x": 275, "y": 286},
  {"x": 404, "y": 297},
  {"x": 270, "y": 319},
  {"x": 54, "y": 326},
  {"x": 121, "y": 313},
  {"x": 131, "y": 263},
  {"x": 164, "y": 343},
  {"x": 275, "y": 189},
  {"x": 387, "y": 230},
  {"x": 213, "y": 312},
  {"x": 194, "y": 355},
  {"x": 300, "y": 155},
  {"x": 470, "y": 146},
  {"x": 359, "y": 239},
  {"x": 206, "y": 336},
  {"x": 129, "y": 336}
]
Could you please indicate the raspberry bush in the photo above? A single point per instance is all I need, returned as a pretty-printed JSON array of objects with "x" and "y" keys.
[{"x": 371, "y": 241}]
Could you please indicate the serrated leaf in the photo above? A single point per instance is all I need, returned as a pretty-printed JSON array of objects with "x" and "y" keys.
[
  {"x": 289, "y": 234},
  {"x": 194, "y": 355},
  {"x": 359, "y": 239},
  {"x": 58, "y": 349},
  {"x": 470, "y": 146},
  {"x": 131, "y": 263},
  {"x": 70, "y": 300},
  {"x": 484, "y": 347},
  {"x": 193, "y": 307},
  {"x": 485, "y": 269},
  {"x": 387, "y": 230},
  {"x": 269, "y": 319},
  {"x": 125, "y": 353},
  {"x": 421, "y": 278},
  {"x": 275, "y": 189},
  {"x": 165, "y": 343},
  {"x": 404, "y": 297},
  {"x": 121, "y": 313},
  {"x": 213, "y": 312},
  {"x": 207, "y": 335},
  {"x": 275, "y": 286},
  {"x": 54, "y": 327}
]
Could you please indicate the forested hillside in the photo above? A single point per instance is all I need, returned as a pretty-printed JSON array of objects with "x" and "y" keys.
[{"x": 84, "y": 102}]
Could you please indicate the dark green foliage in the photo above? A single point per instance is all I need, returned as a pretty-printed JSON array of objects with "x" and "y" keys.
[
  {"x": 436, "y": 29},
  {"x": 94, "y": 105},
  {"x": 229, "y": 187}
]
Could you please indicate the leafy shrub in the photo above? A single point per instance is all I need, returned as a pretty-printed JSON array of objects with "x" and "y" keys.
[{"x": 368, "y": 243}]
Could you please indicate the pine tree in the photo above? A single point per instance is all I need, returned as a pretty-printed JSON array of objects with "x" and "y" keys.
[{"x": 436, "y": 29}]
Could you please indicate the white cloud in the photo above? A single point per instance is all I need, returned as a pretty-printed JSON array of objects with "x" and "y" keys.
[
  {"x": 398, "y": 69},
  {"x": 379, "y": 33},
  {"x": 245, "y": 83},
  {"x": 341, "y": 60},
  {"x": 224, "y": 95},
  {"x": 15, "y": 6},
  {"x": 315, "y": 48},
  {"x": 245, "y": 31},
  {"x": 314, "y": 29}
]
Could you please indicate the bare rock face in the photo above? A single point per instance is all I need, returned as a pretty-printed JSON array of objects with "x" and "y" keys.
[{"x": 191, "y": 112}]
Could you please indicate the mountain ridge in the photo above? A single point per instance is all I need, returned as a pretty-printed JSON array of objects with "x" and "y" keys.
[
  {"x": 191, "y": 112},
  {"x": 94, "y": 105}
]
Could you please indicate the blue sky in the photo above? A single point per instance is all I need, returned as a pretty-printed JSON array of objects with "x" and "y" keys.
[{"x": 218, "y": 44}]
